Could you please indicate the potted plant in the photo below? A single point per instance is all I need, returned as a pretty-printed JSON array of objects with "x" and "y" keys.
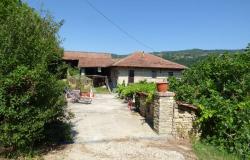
[
  {"x": 83, "y": 91},
  {"x": 162, "y": 86}
]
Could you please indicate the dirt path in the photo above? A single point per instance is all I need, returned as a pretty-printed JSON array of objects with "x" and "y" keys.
[{"x": 106, "y": 129}]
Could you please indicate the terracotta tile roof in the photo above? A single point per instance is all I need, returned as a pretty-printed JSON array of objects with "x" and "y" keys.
[
  {"x": 95, "y": 62},
  {"x": 116, "y": 59},
  {"x": 89, "y": 59},
  {"x": 137, "y": 59},
  {"x": 145, "y": 60},
  {"x": 71, "y": 55}
]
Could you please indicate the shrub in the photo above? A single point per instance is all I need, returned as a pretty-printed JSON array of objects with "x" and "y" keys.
[
  {"x": 73, "y": 71},
  {"x": 131, "y": 89},
  {"x": 31, "y": 94},
  {"x": 220, "y": 87}
]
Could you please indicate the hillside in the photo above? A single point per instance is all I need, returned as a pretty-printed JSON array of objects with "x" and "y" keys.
[
  {"x": 189, "y": 57},
  {"x": 186, "y": 57}
]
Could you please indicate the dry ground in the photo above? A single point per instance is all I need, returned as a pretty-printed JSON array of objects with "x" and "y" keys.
[{"x": 107, "y": 130}]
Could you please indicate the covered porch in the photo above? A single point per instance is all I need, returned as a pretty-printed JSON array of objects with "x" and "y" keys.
[{"x": 99, "y": 75}]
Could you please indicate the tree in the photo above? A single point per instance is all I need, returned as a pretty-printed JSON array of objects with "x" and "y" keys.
[
  {"x": 248, "y": 48},
  {"x": 31, "y": 94},
  {"x": 220, "y": 87}
]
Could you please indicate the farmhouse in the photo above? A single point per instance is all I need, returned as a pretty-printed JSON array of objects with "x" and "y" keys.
[{"x": 134, "y": 68}]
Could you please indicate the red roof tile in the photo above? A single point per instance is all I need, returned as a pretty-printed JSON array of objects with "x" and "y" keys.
[
  {"x": 137, "y": 59},
  {"x": 89, "y": 59},
  {"x": 95, "y": 62},
  {"x": 71, "y": 55},
  {"x": 145, "y": 60}
]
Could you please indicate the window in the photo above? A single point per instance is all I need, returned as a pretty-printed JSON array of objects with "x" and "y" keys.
[
  {"x": 170, "y": 74},
  {"x": 154, "y": 74},
  {"x": 131, "y": 75}
]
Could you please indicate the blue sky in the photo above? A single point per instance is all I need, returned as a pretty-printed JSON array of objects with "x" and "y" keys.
[{"x": 160, "y": 24}]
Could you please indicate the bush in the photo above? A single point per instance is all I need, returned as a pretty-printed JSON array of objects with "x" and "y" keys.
[
  {"x": 220, "y": 87},
  {"x": 31, "y": 94},
  {"x": 130, "y": 90},
  {"x": 73, "y": 71}
]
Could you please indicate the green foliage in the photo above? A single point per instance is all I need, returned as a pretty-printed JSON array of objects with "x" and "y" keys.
[
  {"x": 31, "y": 94},
  {"x": 192, "y": 56},
  {"x": 248, "y": 48},
  {"x": 208, "y": 152},
  {"x": 131, "y": 89},
  {"x": 73, "y": 71},
  {"x": 220, "y": 87}
]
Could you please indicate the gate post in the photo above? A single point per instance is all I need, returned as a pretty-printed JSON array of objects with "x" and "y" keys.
[{"x": 164, "y": 113}]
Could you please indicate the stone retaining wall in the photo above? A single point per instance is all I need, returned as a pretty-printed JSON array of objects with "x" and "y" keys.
[
  {"x": 165, "y": 116},
  {"x": 183, "y": 119}
]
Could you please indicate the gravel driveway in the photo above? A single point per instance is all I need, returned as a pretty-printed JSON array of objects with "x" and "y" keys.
[{"x": 107, "y": 130}]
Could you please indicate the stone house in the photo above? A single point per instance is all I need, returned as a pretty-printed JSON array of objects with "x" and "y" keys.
[{"x": 134, "y": 68}]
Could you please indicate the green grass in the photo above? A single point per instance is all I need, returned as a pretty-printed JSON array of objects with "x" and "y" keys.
[
  {"x": 208, "y": 152},
  {"x": 101, "y": 90}
]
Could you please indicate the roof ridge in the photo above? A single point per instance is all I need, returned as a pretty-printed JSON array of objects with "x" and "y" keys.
[
  {"x": 123, "y": 59},
  {"x": 88, "y": 52},
  {"x": 132, "y": 54},
  {"x": 150, "y": 60}
]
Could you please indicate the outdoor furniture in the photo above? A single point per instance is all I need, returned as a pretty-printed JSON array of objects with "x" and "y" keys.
[{"x": 76, "y": 97}]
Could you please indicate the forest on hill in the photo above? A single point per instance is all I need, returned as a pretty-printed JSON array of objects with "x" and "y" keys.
[
  {"x": 188, "y": 57},
  {"x": 191, "y": 56}
]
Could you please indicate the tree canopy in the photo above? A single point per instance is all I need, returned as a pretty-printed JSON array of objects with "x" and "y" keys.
[
  {"x": 31, "y": 94},
  {"x": 220, "y": 87}
]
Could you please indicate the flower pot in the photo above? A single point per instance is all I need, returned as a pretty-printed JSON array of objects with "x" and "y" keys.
[
  {"x": 162, "y": 86},
  {"x": 85, "y": 94}
]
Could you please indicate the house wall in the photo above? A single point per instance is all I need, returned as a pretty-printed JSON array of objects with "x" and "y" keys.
[{"x": 120, "y": 74}]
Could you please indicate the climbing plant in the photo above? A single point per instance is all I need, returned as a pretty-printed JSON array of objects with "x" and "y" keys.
[{"x": 132, "y": 89}]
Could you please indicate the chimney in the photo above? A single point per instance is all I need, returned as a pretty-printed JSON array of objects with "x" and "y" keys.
[{"x": 142, "y": 54}]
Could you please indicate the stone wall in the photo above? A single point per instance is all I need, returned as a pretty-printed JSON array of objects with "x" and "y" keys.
[
  {"x": 165, "y": 116},
  {"x": 145, "y": 109},
  {"x": 184, "y": 116}
]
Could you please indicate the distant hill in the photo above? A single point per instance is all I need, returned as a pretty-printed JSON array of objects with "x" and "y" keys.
[
  {"x": 187, "y": 57},
  {"x": 118, "y": 55}
]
